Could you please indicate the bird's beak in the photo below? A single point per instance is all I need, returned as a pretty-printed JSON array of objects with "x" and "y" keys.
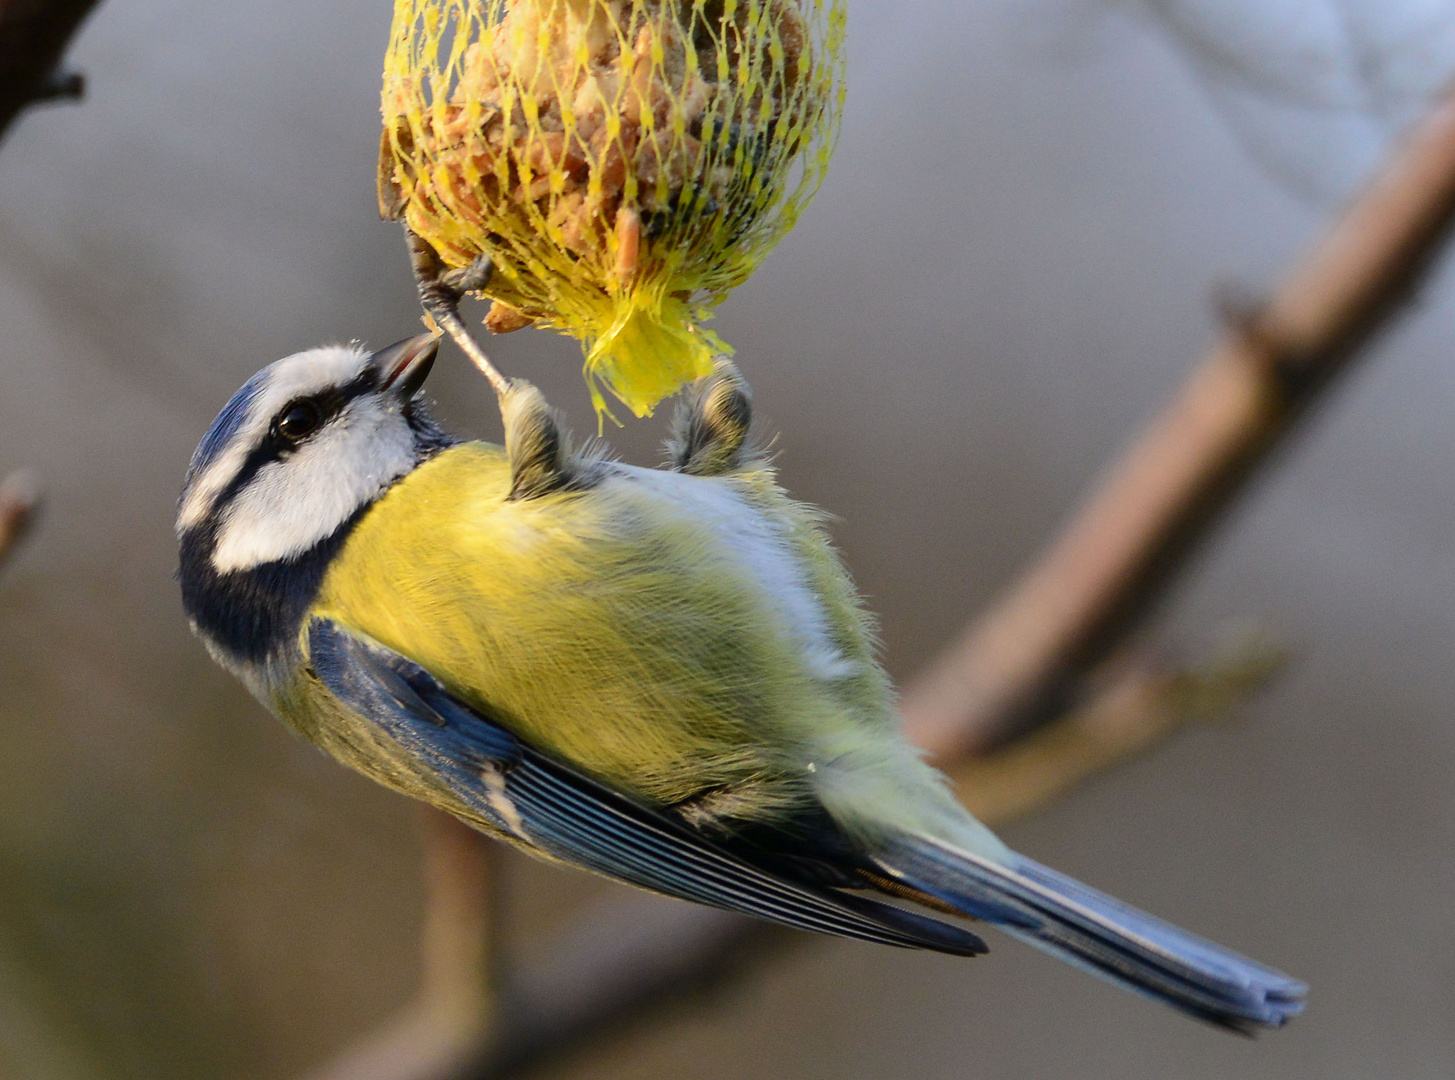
[{"x": 403, "y": 366}]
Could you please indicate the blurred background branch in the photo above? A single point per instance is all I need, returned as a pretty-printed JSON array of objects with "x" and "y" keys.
[
  {"x": 34, "y": 35},
  {"x": 1025, "y": 705},
  {"x": 19, "y": 501},
  {"x": 33, "y": 39},
  {"x": 1018, "y": 662}
]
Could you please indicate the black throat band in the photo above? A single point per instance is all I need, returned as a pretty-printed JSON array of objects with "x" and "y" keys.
[{"x": 254, "y": 615}]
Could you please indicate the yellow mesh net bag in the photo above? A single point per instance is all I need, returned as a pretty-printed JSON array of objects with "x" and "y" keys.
[{"x": 624, "y": 163}]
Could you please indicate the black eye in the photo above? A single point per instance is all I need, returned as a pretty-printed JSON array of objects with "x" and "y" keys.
[{"x": 298, "y": 421}]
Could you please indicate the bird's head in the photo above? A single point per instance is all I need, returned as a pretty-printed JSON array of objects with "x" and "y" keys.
[
  {"x": 302, "y": 447},
  {"x": 292, "y": 460}
]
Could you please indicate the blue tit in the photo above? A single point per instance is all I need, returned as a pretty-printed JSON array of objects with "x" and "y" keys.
[{"x": 664, "y": 676}]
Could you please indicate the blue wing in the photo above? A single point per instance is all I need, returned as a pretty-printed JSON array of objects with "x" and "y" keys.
[{"x": 549, "y": 806}]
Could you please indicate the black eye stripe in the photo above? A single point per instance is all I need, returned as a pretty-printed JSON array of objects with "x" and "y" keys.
[
  {"x": 326, "y": 405},
  {"x": 330, "y": 402}
]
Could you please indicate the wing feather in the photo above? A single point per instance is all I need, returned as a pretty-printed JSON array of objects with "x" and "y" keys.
[{"x": 547, "y": 805}]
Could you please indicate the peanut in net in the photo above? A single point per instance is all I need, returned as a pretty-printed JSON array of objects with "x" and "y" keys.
[{"x": 623, "y": 163}]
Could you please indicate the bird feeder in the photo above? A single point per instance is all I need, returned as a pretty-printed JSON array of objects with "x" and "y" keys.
[{"x": 623, "y": 163}]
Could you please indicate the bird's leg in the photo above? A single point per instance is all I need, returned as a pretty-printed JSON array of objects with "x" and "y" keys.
[
  {"x": 440, "y": 291},
  {"x": 537, "y": 445},
  {"x": 710, "y": 430},
  {"x": 474, "y": 278}
]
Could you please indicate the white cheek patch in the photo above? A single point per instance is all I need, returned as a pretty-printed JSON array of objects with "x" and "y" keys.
[
  {"x": 292, "y": 504},
  {"x": 299, "y": 375},
  {"x": 759, "y": 545},
  {"x": 203, "y": 491}
]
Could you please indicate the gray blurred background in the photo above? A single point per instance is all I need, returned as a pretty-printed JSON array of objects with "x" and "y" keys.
[{"x": 1008, "y": 269}]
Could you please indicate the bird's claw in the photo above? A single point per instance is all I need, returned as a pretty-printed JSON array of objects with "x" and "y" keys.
[
  {"x": 710, "y": 431},
  {"x": 440, "y": 291}
]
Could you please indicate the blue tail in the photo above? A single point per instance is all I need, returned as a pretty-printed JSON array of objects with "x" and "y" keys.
[{"x": 1097, "y": 933}]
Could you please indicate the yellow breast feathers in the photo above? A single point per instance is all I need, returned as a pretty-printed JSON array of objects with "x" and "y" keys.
[{"x": 566, "y": 618}]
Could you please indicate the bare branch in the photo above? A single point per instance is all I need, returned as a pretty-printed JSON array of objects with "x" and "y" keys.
[
  {"x": 19, "y": 501},
  {"x": 609, "y": 971},
  {"x": 440, "y": 1035},
  {"x": 34, "y": 35},
  {"x": 1141, "y": 703},
  {"x": 1032, "y": 652},
  {"x": 1017, "y": 662}
]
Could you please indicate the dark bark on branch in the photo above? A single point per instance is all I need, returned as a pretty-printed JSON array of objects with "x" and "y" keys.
[{"x": 34, "y": 35}]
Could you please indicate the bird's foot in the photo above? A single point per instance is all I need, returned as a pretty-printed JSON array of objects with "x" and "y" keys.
[
  {"x": 440, "y": 291},
  {"x": 538, "y": 445},
  {"x": 710, "y": 430}
]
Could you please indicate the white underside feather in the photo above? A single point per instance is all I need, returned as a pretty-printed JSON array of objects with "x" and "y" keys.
[{"x": 759, "y": 545}]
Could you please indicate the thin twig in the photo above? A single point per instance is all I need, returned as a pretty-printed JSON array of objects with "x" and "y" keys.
[
  {"x": 610, "y": 971},
  {"x": 1016, "y": 663},
  {"x": 33, "y": 38},
  {"x": 19, "y": 501},
  {"x": 1141, "y": 702},
  {"x": 440, "y": 1035}
]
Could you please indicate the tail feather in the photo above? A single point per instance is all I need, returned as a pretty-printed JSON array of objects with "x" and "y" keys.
[{"x": 1097, "y": 933}]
